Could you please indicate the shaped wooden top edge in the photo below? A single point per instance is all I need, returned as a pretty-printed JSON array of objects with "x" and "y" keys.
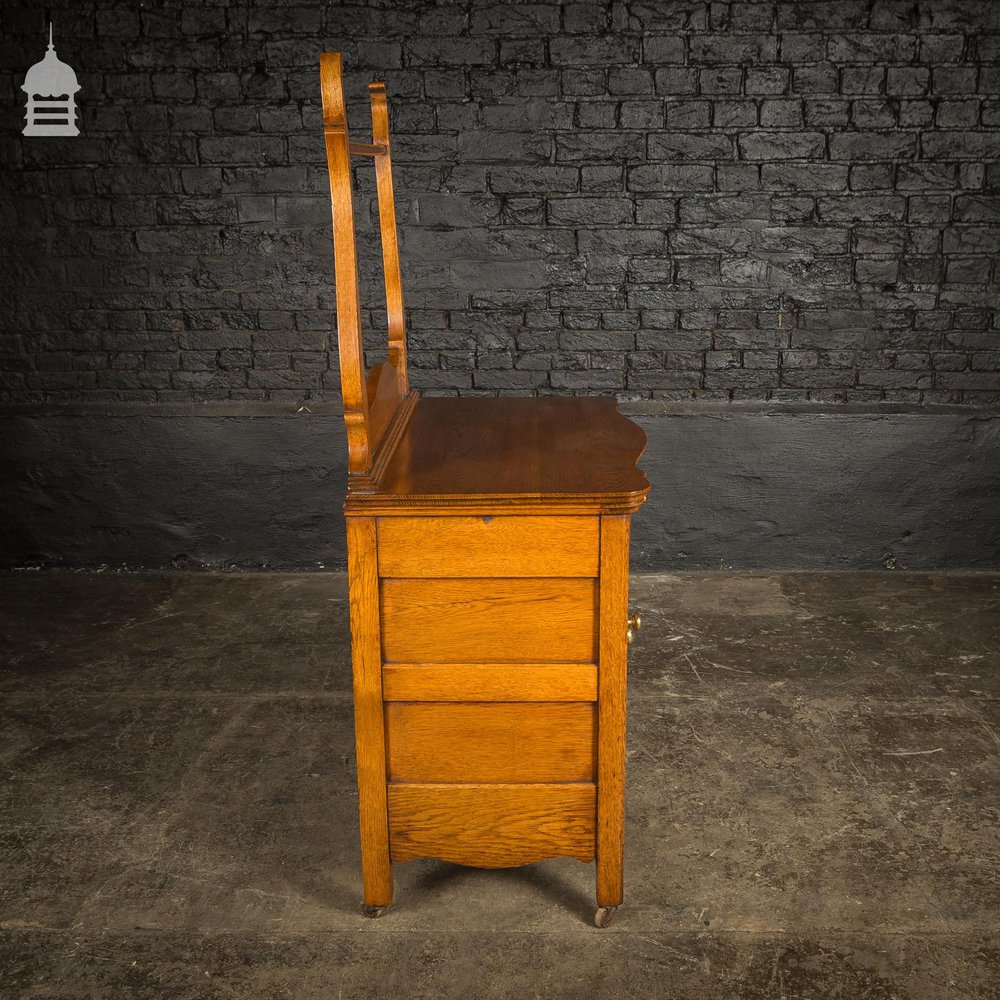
[
  {"x": 641, "y": 440},
  {"x": 522, "y": 454},
  {"x": 385, "y": 505}
]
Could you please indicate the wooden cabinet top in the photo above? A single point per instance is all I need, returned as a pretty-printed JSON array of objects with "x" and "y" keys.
[
  {"x": 572, "y": 454},
  {"x": 559, "y": 453}
]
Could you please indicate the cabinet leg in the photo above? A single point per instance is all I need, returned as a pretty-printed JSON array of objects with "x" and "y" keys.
[
  {"x": 369, "y": 723},
  {"x": 609, "y": 884},
  {"x": 376, "y": 877},
  {"x": 610, "y": 841},
  {"x": 376, "y": 865}
]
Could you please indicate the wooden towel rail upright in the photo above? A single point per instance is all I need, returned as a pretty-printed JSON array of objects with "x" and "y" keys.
[
  {"x": 488, "y": 545},
  {"x": 376, "y": 404}
]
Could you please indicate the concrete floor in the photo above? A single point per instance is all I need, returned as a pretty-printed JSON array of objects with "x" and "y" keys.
[{"x": 813, "y": 801}]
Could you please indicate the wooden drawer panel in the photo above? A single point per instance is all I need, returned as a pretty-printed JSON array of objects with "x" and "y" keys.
[
  {"x": 489, "y": 682},
  {"x": 490, "y": 741},
  {"x": 489, "y": 621},
  {"x": 488, "y": 546},
  {"x": 492, "y": 826}
]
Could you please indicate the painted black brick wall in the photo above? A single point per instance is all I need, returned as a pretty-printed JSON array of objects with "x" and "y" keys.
[{"x": 749, "y": 200}]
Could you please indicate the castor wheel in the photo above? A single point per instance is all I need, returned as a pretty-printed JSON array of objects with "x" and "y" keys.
[
  {"x": 604, "y": 915},
  {"x": 373, "y": 911}
]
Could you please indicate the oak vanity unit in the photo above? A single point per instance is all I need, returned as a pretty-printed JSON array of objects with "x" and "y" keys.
[{"x": 488, "y": 545}]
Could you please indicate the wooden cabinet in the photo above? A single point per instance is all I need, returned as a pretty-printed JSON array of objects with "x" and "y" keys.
[{"x": 488, "y": 544}]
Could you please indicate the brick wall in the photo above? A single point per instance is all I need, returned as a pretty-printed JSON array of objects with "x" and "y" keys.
[{"x": 748, "y": 200}]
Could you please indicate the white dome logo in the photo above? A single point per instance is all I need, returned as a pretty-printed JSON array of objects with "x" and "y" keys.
[{"x": 51, "y": 85}]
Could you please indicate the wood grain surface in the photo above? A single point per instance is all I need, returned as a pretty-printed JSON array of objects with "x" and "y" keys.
[
  {"x": 549, "y": 450},
  {"x": 490, "y": 742},
  {"x": 395, "y": 315},
  {"x": 489, "y": 682},
  {"x": 372, "y": 400},
  {"x": 489, "y": 621},
  {"x": 353, "y": 382},
  {"x": 491, "y": 826},
  {"x": 368, "y": 722},
  {"x": 611, "y": 677},
  {"x": 488, "y": 546},
  {"x": 383, "y": 395}
]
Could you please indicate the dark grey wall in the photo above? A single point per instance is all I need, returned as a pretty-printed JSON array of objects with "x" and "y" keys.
[
  {"x": 678, "y": 202},
  {"x": 182, "y": 489},
  {"x": 659, "y": 198},
  {"x": 816, "y": 489},
  {"x": 766, "y": 489}
]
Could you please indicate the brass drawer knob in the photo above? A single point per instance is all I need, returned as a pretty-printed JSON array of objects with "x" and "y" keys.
[{"x": 632, "y": 626}]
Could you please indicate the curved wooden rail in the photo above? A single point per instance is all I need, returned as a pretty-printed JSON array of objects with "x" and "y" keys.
[{"x": 378, "y": 403}]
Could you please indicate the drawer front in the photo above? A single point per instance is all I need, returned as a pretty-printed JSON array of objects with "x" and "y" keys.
[
  {"x": 489, "y": 621},
  {"x": 488, "y": 546},
  {"x": 492, "y": 826},
  {"x": 490, "y": 742}
]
